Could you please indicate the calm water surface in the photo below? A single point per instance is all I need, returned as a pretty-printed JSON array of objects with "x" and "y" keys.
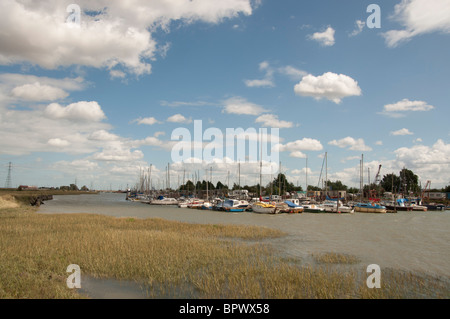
[{"x": 416, "y": 241}]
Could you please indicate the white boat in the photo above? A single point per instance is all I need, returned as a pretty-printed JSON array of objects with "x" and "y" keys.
[
  {"x": 264, "y": 208},
  {"x": 332, "y": 206},
  {"x": 313, "y": 208},
  {"x": 419, "y": 207},
  {"x": 164, "y": 201}
]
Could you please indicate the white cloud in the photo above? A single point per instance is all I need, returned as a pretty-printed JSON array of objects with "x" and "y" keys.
[
  {"x": 118, "y": 155},
  {"x": 121, "y": 34},
  {"x": 325, "y": 38},
  {"x": 394, "y": 110},
  {"x": 330, "y": 85},
  {"x": 428, "y": 162},
  {"x": 419, "y": 17},
  {"x": 147, "y": 121},
  {"x": 403, "y": 131},
  {"x": 297, "y": 154},
  {"x": 103, "y": 135},
  {"x": 271, "y": 120},
  {"x": 117, "y": 74},
  {"x": 260, "y": 83},
  {"x": 178, "y": 118},
  {"x": 79, "y": 111},
  {"x": 351, "y": 143},
  {"x": 359, "y": 27},
  {"x": 38, "y": 92},
  {"x": 379, "y": 143},
  {"x": 57, "y": 142},
  {"x": 305, "y": 144},
  {"x": 238, "y": 105}
]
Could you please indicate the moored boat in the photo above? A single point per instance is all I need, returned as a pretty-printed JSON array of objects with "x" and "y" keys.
[
  {"x": 234, "y": 205},
  {"x": 336, "y": 206},
  {"x": 313, "y": 208},
  {"x": 264, "y": 208},
  {"x": 370, "y": 208},
  {"x": 164, "y": 201}
]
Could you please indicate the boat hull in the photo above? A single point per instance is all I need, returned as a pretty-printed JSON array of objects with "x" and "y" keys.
[
  {"x": 263, "y": 210},
  {"x": 370, "y": 210}
]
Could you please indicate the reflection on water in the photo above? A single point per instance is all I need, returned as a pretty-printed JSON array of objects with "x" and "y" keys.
[{"x": 416, "y": 241}]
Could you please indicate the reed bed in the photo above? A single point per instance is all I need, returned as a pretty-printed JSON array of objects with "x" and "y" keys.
[
  {"x": 335, "y": 258},
  {"x": 169, "y": 259}
]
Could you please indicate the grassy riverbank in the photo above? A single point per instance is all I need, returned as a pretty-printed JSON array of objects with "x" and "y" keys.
[{"x": 174, "y": 259}]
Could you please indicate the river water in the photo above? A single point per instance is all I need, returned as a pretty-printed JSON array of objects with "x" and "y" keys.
[{"x": 414, "y": 241}]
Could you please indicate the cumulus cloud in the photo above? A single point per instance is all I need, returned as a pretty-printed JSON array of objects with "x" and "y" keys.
[
  {"x": 398, "y": 109},
  {"x": 147, "y": 121},
  {"x": 305, "y": 144},
  {"x": 178, "y": 118},
  {"x": 419, "y": 17},
  {"x": 57, "y": 142},
  {"x": 351, "y": 144},
  {"x": 103, "y": 135},
  {"x": 297, "y": 154},
  {"x": 114, "y": 33},
  {"x": 118, "y": 155},
  {"x": 271, "y": 120},
  {"x": 79, "y": 111},
  {"x": 239, "y": 105},
  {"x": 403, "y": 131},
  {"x": 38, "y": 92},
  {"x": 325, "y": 38},
  {"x": 428, "y": 162},
  {"x": 331, "y": 86}
]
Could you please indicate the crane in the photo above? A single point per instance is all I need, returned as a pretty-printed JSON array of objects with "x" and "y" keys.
[
  {"x": 377, "y": 177},
  {"x": 427, "y": 185},
  {"x": 373, "y": 193}
]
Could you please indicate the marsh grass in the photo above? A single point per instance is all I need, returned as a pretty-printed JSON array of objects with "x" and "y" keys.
[
  {"x": 335, "y": 258},
  {"x": 168, "y": 259}
]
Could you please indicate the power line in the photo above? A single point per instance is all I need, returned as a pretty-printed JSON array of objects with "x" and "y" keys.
[{"x": 8, "y": 183}]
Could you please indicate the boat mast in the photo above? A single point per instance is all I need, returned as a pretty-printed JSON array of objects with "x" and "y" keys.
[
  {"x": 326, "y": 174},
  {"x": 306, "y": 175},
  {"x": 260, "y": 168},
  {"x": 207, "y": 182},
  {"x": 239, "y": 178}
]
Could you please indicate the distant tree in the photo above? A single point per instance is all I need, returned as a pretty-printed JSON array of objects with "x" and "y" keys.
[
  {"x": 219, "y": 185},
  {"x": 84, "y": 189},
  {"x": 337, "y": 185},
  {"x": 410, "y": 181},
  {"x": 73, "y": 187},
  {"x": 390, "y": 183},
  {"x": 314, "y": 188},
  {"x": 446, "y": 189},
  {"x": 353, "y": 190}
]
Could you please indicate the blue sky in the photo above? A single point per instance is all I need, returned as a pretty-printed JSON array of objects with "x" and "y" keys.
[{"x": 97, "y": 103}]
